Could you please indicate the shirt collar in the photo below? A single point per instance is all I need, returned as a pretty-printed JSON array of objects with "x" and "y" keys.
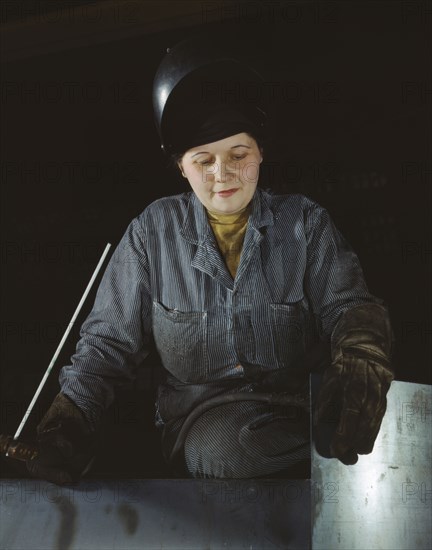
[{"x": 196, "y": 228}]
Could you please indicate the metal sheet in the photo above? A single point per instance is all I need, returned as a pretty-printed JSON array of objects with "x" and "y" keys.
[
  {"x": 169, "y": 514},
  {"x": 384, "y": 500}
]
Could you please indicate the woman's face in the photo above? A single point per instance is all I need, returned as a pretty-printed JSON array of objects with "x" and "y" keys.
[{"x": 223, "y": 174}]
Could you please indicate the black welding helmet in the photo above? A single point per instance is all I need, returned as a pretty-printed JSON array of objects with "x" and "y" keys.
[{"x": 204, "y": 91}]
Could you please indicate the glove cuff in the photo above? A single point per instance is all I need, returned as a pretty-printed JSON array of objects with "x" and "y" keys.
[
  {"x": 62, "y": 409},
  {"x": 64, "y": 426},
  {"x": 364, "y": 330}
]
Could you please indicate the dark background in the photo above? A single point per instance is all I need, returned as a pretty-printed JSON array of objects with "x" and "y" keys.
[{"x": 80, "y": 157}]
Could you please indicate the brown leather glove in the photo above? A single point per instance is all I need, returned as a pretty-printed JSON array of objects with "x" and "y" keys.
[
  {"x": 65, "y": 443},
  {"x": 356, "y": 383}
]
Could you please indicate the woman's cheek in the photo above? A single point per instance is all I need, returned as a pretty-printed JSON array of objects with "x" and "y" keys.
[{"x": 249, "y": 172}]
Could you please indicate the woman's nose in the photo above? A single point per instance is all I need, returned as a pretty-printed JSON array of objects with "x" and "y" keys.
[
  {"x": 215, "y": 171},
  {"x": 220, "y": 173}
]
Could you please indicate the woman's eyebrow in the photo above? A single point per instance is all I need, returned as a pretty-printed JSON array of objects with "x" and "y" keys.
[{"x": 233, "y": 147}]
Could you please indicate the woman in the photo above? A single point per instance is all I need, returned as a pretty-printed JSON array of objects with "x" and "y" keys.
[{"x": 237, "y": 287}]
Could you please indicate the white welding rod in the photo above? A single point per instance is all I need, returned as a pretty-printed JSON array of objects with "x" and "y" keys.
[{"x": 65, "y": 335}]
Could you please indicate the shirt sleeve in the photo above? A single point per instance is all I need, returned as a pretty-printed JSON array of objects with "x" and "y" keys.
[
  {"x": 334, "y": 279},
  {"x": 115, "y": 335}
]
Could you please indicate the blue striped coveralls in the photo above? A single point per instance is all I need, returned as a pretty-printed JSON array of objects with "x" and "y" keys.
[{"x": 167, "y": 280}]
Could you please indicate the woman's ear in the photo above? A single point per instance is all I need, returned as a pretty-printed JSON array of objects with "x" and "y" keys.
[{"x": 179, "y": 164}]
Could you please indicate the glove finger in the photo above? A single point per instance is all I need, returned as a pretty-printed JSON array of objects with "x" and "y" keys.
[
  {"x": 328, "y": 399},
  {"x": 38, "y": 469},
  {"x": 366, "y": 444},
  {"x": 372, "y": 412},
  {"x": 354, "y": 395},
  {"x": 348, "y": 458},
  {"x": 341, "y": 445},
  {"x": 50, "y": 464},
  {"x": 369, "y": 429}
]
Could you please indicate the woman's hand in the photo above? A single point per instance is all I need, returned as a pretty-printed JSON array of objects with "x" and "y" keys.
[
  {"x": 65, "y": 443},
  {"x": 357, "y": 386},
  {"x": 354, "y": 387}
]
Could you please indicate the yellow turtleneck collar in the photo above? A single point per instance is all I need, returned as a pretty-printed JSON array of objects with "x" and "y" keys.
[
  {"x": 229, "y": 231},
  {"x": 238, "y": 217}
]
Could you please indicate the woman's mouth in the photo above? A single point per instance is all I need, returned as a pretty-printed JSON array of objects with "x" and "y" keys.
[{"x": 227, "y": 193}]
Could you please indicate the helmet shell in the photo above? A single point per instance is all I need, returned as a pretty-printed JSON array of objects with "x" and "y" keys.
[{"x": 193, "y": 77}]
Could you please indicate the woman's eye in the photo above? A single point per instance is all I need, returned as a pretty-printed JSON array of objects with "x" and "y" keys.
[{"x": 210, "y": 161}]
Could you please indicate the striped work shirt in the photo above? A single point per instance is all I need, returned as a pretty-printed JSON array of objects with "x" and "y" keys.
[{"x": 168, "y": 281}]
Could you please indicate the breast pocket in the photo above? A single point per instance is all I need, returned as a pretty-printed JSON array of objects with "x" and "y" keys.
[
  {"x": 181, "y": 340},
  {"x": 288, "y": 331}
]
